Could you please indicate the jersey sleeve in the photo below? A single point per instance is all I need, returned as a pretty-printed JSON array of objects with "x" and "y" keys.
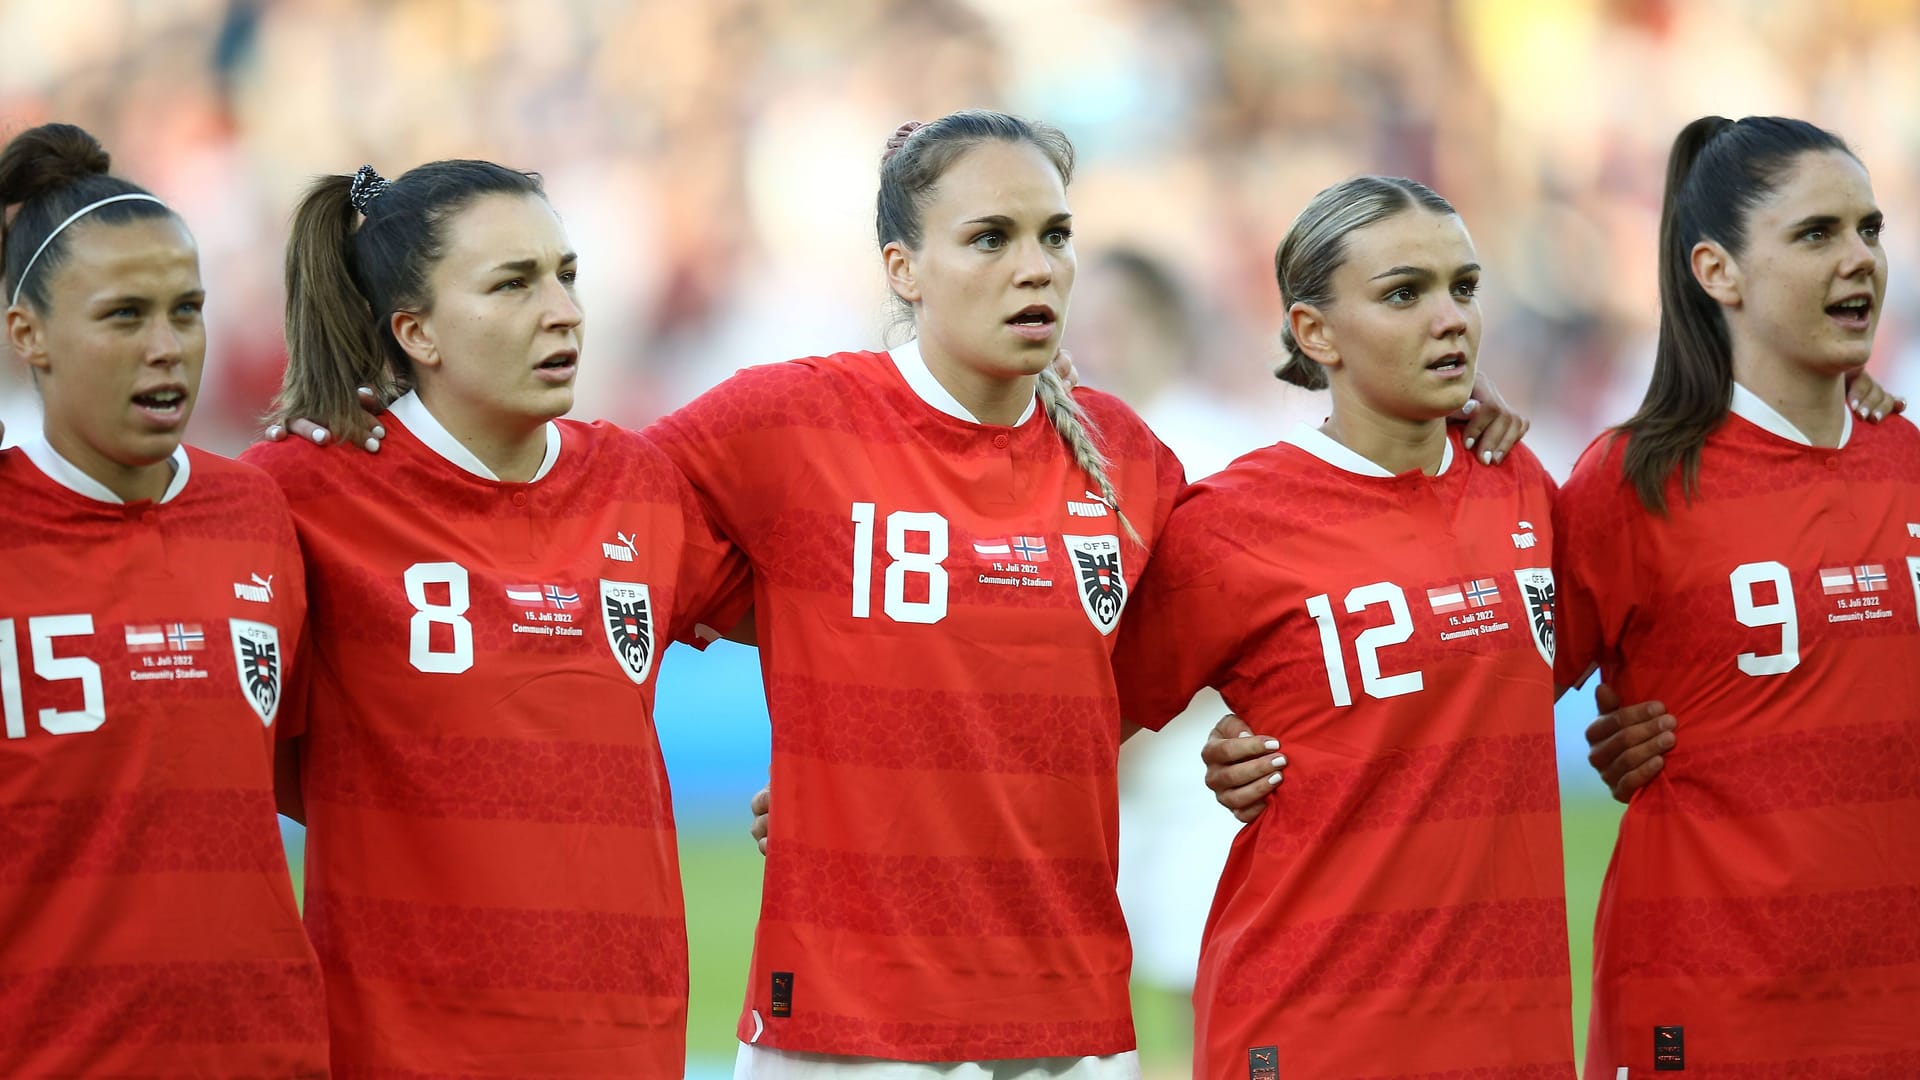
[
  {"x": 1594, "y": 566},
  {"x": 1180, "y": 633},
  {"x": 716, "y": 580},
  {"x": 715, "y": 439}
]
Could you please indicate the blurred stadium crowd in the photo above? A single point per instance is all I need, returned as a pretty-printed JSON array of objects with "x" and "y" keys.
[{"x": 716, "y": 160}]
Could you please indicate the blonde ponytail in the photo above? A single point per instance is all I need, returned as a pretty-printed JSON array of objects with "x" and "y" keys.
[{"x": 1082, "y": 442}]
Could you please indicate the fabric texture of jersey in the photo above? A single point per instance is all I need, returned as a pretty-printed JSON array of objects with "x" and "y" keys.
[
  {"x": 935, "y": 600},
  {"x": 1764, "y": 894},
  {"x": 147, "y": 921},
  {"x": 492, "y": 882},
  {"x": 1398, "y": 910}
]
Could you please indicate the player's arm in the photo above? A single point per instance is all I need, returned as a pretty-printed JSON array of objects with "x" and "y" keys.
[
  {"x": 1242, "y": 768},
  {"x": 761, "y": 807},
  {"x": 1628, "y": 745},
  {"x": 1871, "y": 401},
  {"x": 304, "y": 428},
  {"x": 1492, "y": 426}
]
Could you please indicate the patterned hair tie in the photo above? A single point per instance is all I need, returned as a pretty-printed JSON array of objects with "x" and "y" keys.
[{"x": 367, "y": 186}]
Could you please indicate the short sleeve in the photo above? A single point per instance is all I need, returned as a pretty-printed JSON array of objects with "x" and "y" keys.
[
  {"x": 1593, "y": 567},
  {"x": 1181, "y": 632}
]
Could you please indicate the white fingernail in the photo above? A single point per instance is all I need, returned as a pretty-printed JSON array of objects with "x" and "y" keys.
[
  {"x": 1876, "y": 415},
  {"x": 1486, "y": 457},
  {"x": 1244, "y": 735},
  {"x": 1469, "y": 442},
  {"x": 1274, "y": 778},
  {"x": 319, "y": 434},
  {"x": 1278, "y": 762},
  {"x": 1273, "y": 744}
]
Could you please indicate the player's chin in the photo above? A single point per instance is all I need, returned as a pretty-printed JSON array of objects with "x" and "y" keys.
[
  {"x": 142, "y": 447},
  {"x": 547, "y": 402}
]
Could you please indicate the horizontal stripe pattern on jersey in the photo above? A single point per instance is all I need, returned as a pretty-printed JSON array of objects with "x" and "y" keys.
[
  {"x": 936, "y": 601},
  {"x": 492, "y": 880},
  {"x": 147, "y": 921},
  {"x": 1398, "y": 910},
  {"x": 1764, "y": 893}
]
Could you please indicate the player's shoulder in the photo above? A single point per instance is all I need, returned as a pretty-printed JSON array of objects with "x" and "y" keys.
[
  {"x": 614, "y": 455},
  {"x": 799, "y": 392},
  {"x": 1894, "y": 434},
  {"x": 290, "y": 457},
  {"x": 801, "y": 375},
  {"x": 1122, "y": 431},
  {"x": 231, "y": 477},
  {"x": 1599, "y": 473}
]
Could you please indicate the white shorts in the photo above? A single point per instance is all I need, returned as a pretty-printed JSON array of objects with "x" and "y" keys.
[{"x": 766, "y": 1063}]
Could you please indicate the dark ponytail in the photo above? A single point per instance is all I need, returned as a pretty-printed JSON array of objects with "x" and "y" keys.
[
  {"x": 1717, "y": 172},
  {"x": 349, "y": 270},
  {"x": 49, "y": 172}
]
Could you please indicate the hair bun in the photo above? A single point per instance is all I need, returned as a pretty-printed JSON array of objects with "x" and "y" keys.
[
  {"x": 900, "y": 136},
  {"x": 48, "y": 158}
]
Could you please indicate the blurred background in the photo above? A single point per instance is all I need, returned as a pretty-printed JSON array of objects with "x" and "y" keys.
[{"x": 715, "y": 162}]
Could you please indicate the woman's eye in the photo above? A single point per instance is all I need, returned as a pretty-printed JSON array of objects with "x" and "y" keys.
[
  {"x": 1466, "y": 290},
  {"x": 1401, "y": 295},
  {"x": 1059, "y": 237},
  {"x": 514, "y": 283},
  {"x": 989, "y": 241}
]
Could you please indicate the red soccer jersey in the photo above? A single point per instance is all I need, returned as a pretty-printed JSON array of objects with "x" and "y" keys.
[
  {"x": 147, "y": 922},
  {"x": 492, "y": 882},
  {"x": 1761, "y": 916},
  {"x": 935, "y": 601},
  {"x": 1399, "y": 909}
]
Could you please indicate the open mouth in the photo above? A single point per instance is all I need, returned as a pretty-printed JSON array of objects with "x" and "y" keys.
[
  {"x": 1033, "y": 321},
  {"x": 1854, "y": 311},
  {"x": 559, "y": 365},
  {"x": 1449, "y": 364},
  {"x": 164, "y": 401}
]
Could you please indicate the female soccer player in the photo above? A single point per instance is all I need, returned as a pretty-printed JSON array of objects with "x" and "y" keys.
[
  {"x": 1372, "y": 592},
  {"x": 150, "y": 600},
  {"x": 943, "y": 538},
  {"x": 492, "y": 882},
  {"x": 1744, "y": 552}
]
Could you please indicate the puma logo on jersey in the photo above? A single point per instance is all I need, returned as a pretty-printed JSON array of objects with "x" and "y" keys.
[
  {"x": 624, "y": 551},
  {"x": 1097, "y": 508},
  {"x": 260, "y": 592},
  {"x": 1524, "y": 539}
]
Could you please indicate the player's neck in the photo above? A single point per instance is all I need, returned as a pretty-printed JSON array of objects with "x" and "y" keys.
[
  {"x": 1814, "y": 402},
  {"x": 511, "y": 447},
  {"x": 1395, "y": 444},
  {"x": 991, "y": 399},
  {"x": 132, "y": 483}
]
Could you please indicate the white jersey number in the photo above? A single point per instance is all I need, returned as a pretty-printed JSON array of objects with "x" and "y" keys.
[
  {"x": 452, "y": 614},
  {"x": 1779, "y": 613},
  {"x": 1368, "y": 645},
  {"x": 894, "y": 601},
  {"x": 41, "y": 630}
]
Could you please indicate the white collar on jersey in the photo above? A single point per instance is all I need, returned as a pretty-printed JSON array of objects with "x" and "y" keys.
[
  {"x": 68, "y": 475},
  {"x": 1752, "y": 408},
  {"x": 411, "y": 411},
  {"x": 1321, "y": 445},
  {"x": 906, "y": 357}
]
